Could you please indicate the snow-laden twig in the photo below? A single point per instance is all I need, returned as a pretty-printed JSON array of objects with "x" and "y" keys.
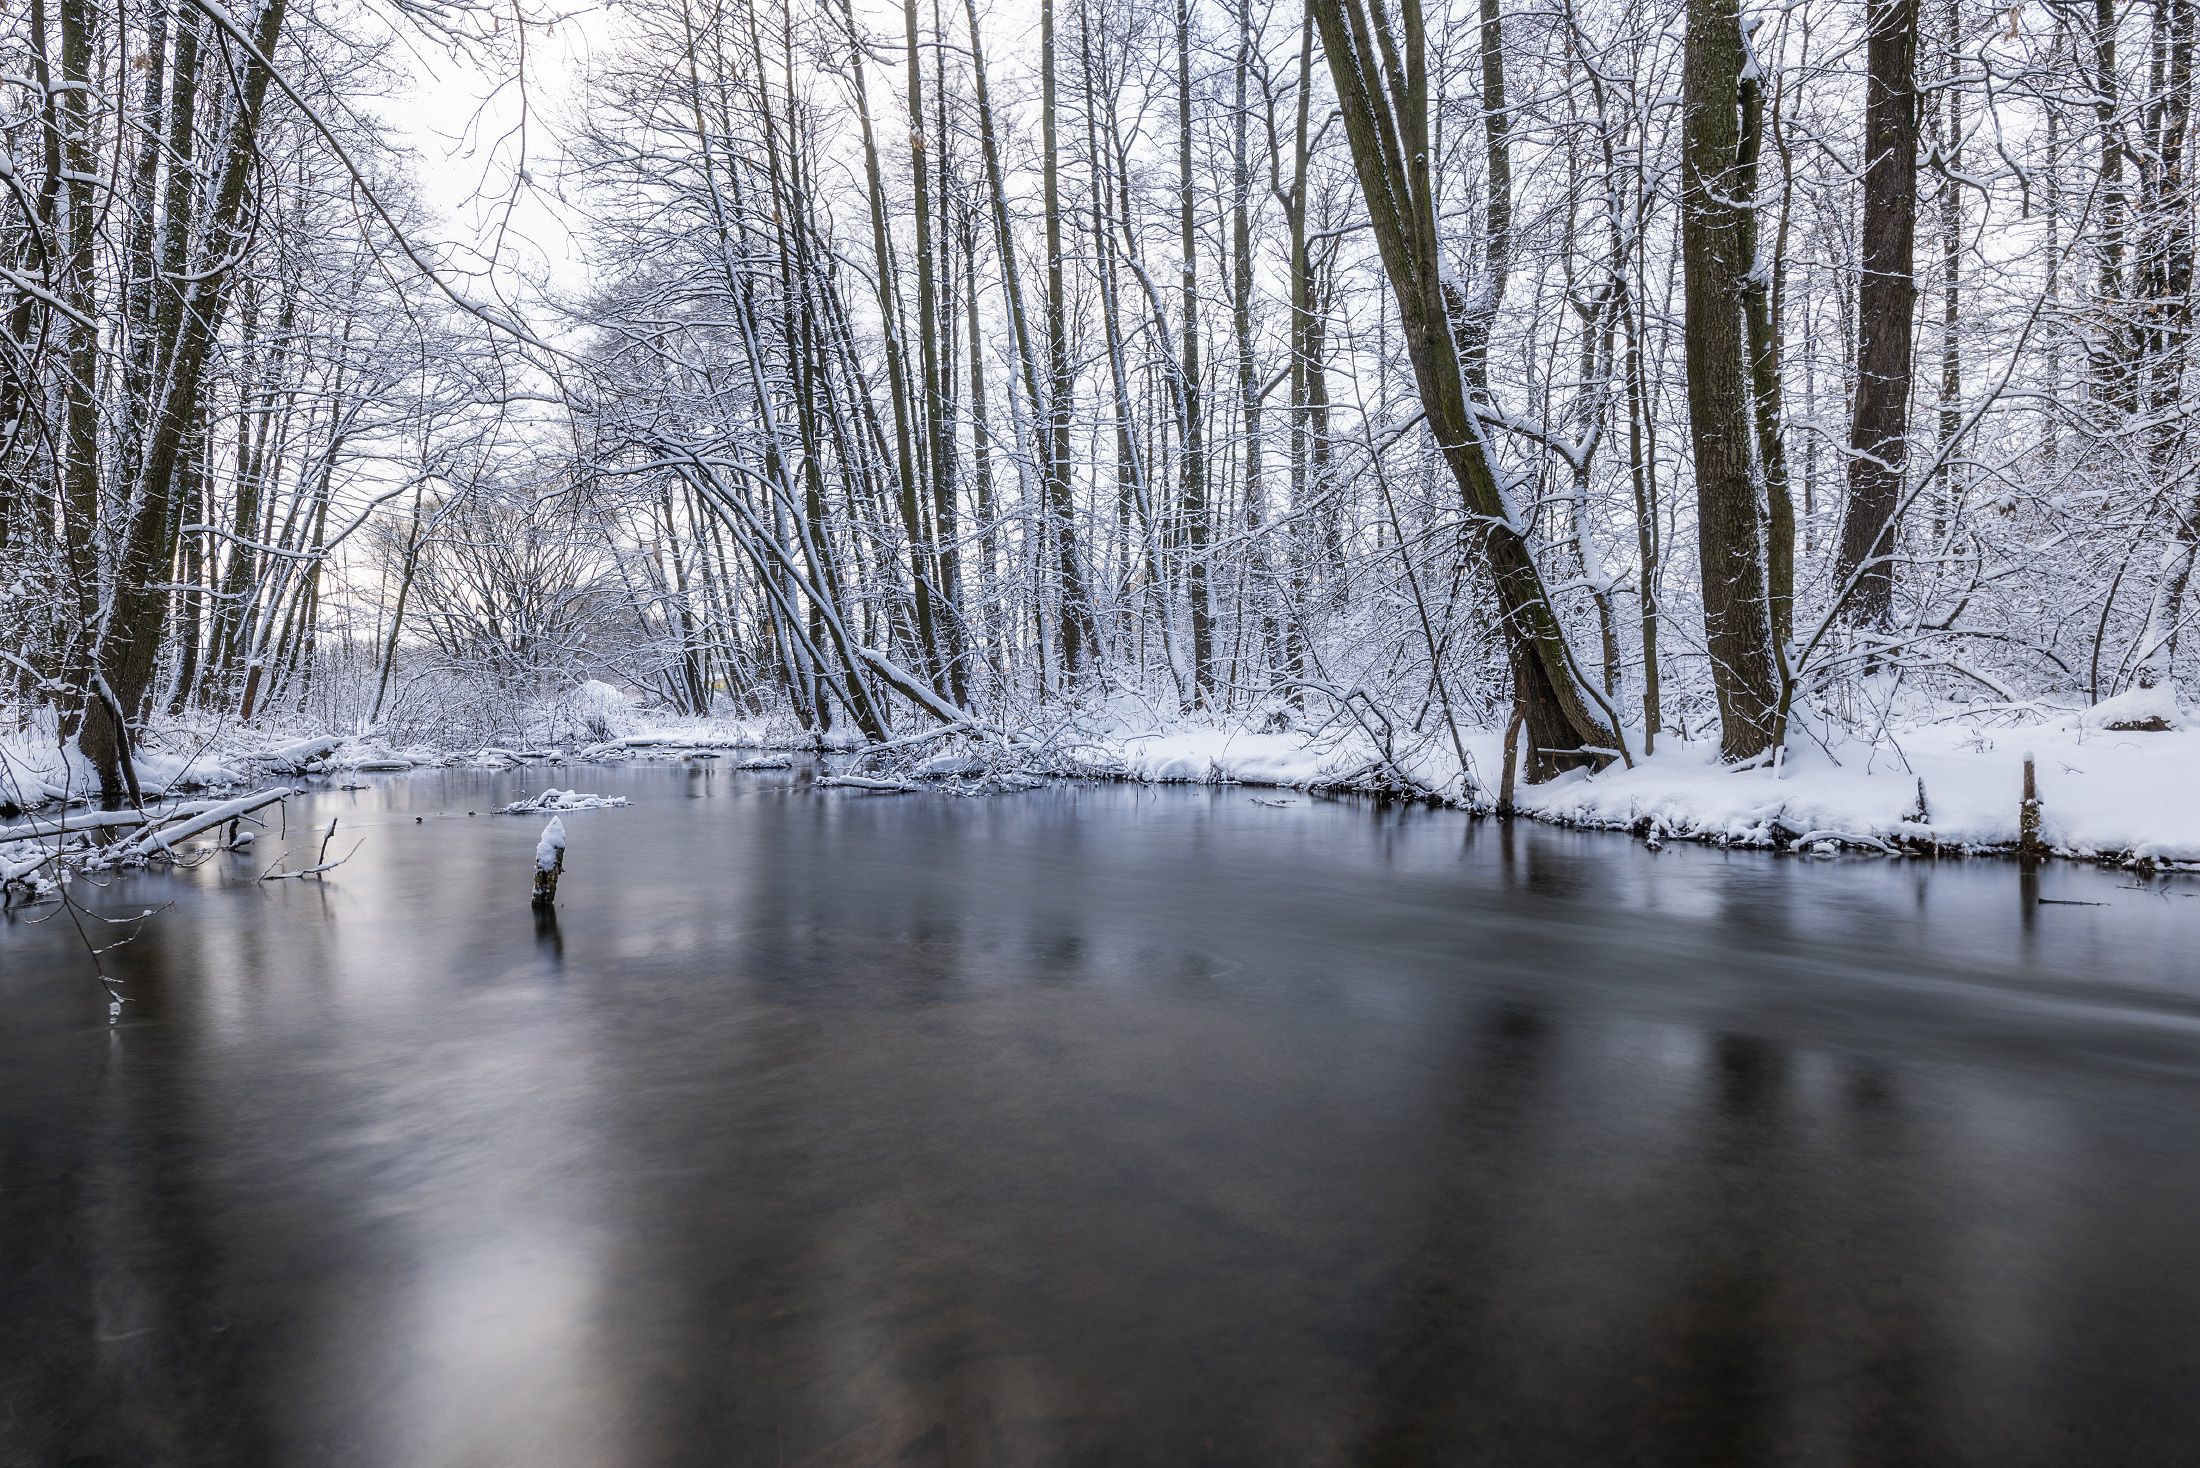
[{"x": 72, "y": 822}]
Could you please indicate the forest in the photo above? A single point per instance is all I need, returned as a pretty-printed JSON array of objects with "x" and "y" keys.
[
  {"x": 1602, "y": 376},
  {"x": 932, "y": 733}
]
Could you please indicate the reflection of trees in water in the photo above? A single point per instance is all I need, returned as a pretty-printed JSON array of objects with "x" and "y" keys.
[
  {"x": 1439, "y": 1348},
  {"x": 136, "y": 1273}
]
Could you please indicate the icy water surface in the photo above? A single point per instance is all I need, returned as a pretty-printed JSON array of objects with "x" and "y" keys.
[{"x": 1097, "y": 1125}]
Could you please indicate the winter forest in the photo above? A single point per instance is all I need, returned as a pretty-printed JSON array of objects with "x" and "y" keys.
[
  {"x": 1594, "y": 378},
  {"x": 926, "y": 733}
]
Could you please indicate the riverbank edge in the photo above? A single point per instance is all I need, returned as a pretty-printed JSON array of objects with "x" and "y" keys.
[
  {"x": 1908, "y": 843},
  {"x": 1810, "y": 807}
]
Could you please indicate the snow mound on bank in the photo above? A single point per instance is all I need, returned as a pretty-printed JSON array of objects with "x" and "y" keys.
[
  {"x": 1219, "y": 756},
  {"x": 37, "y": 766},
  {"x": 2135, "y": 710}
]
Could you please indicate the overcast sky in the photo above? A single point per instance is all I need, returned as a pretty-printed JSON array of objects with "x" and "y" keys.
[{"x": 472, "y": 127}]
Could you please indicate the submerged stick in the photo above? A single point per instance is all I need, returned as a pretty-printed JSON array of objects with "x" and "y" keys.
[
  {"x": 324, "y": 865},
  {"x": 321, "y": 863}
]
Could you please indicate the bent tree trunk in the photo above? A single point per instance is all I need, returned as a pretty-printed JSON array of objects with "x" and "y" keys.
[
  {"x": 1383, "y": 98},
  {"x": 1715, "y": 231}
]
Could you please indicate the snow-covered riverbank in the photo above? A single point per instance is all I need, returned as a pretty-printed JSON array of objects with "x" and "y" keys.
[
  {"x": 2117, "y": 782},
  {"x": 37, "y": 768},
  {"x": 1947, "y": 782}
]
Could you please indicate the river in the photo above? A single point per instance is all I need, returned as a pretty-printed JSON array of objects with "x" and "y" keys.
[{"x": 1094, "y": 1124}]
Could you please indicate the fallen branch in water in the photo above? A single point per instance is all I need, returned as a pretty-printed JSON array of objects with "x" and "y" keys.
[
  {"x": 1846, "y": 838},
  {"x": 315, "y": 871},
  {"x": 293, "y": 759},
  {"x": 72, "y": 821},
  {"x": 14, "y": 873},
  {"x": 322, "y": 863},
  {"x": 164, "y": 838}
]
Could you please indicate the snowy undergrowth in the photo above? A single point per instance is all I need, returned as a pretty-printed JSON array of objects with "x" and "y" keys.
[{"x": 37, "y": 766}]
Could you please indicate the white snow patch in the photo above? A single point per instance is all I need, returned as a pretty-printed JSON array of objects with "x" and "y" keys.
[
  {"x": 2136, "y": 710},
  {"x": 555, "y": 799},
  {"x": 2103, "y": 792},
  {"x": 550, "y": 847}
]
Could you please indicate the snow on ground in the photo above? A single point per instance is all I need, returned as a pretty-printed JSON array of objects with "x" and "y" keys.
[
  {"x": 38, "y": 767},
  {"x": 2128, "y": 792},
  {"x": 1209, "y": 756},
  {"x": 2102, "y": 793},
  {"x": 2120, "y": 779},
  {"x": 35, "y": 767}
]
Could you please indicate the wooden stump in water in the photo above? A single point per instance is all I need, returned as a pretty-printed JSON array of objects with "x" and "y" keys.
[
  {"x": 2028, "y": 814},
  {"x": 546, "y": 881},
  {"x": 549, "y": 862}
]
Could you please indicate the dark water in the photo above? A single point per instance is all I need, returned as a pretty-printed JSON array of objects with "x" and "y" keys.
[{"x": 1097, "y": 1125}]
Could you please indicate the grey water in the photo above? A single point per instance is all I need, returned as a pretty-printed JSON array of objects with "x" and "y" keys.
[{"x": 1094, "y": 1125}]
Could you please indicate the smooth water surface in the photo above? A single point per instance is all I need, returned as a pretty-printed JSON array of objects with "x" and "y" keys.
[{"x": 1095, "y": 1125}]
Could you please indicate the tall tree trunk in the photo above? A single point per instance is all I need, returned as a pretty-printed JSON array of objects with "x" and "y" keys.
[
  {"x": 1076, "y": 616},
  {"x": 1309, "y": 384},
  {"x": 1262, "y": 612},
  {"x": 1886, "y": 308},
  {"x": 1761, "y": 322},
  {"x": 104, "y": 734},
  {"x": 938, "y": 456},
  {"x": 1715, "y": 268},
  {"x": 2113, "y": 380},
  {"x": 910, "y": 499},
  {"x": 1950, "y": 488},
  {"x": 1193, "y": 466},
  {"x": 2165, "y": 267},
  {"x": 1475, "y": 319}
]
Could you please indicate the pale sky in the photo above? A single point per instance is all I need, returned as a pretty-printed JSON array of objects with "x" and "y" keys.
[{"x": 471, "y": 128}]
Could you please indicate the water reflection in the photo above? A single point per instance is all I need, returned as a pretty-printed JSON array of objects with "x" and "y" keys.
[
  {"x": 548, "y": 940},
  {"x": 1096, "y": 1125}
]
